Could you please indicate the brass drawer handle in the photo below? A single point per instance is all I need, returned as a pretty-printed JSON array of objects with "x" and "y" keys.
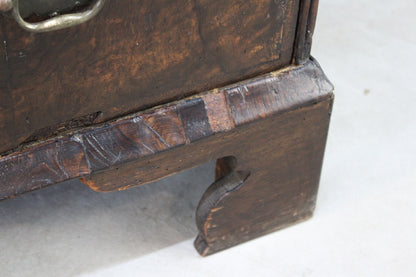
[{"x": 54, "y": 23}]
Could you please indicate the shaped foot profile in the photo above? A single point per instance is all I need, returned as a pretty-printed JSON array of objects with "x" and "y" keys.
[
  {"x": 228, "y": 181},
  {"x": 270, "y": 130}
]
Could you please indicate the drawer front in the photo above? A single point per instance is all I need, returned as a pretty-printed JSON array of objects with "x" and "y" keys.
[{"x": 134, "y": 55}]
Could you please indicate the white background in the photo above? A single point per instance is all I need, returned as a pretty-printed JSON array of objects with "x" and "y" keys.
[{"x": 364, "y": 224}]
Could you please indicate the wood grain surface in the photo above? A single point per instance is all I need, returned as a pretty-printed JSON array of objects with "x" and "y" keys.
[
  {"x": 272, "y": 181},
  {"x": 305, "y": 28},
  {"x": 69, "y": 102},
  {"x": 132, "y": 56},
  {"x": 107, "y": 146},
  {"x": 268, "y": 161}
]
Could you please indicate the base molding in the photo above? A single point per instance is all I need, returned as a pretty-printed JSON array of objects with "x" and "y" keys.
[{"x": 267, "y": 134}]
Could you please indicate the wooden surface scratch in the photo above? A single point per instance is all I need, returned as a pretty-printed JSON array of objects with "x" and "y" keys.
[
  {"x": 134, "y": 55},
  {"x": 150, "y": 132}
]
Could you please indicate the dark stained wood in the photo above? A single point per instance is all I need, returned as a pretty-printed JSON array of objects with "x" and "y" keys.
[
  {"x": 268, "y": 134},
  {"x": 195, "y": 119},
  {"x": 267, "y": 181},
  {"x": 269, "y": 176},
  {"x": 305, "y": 28},
  {"x": 150, "y": 132},
  {"x": 132, "y": 56},
  {"x": 274, "y": 183},
  {"x": 69, "y": 102},
  {"x": 46, "y": 164}
]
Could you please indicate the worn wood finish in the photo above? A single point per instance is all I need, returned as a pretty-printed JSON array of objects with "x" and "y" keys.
[
  {"x": 272, "y": 155},
  {"x": 305, "y": 28},
  {"x": 134, "y": 55},
  {"x": 268, "y": 180},
  {"x": 115, "y": 143},
  {"x": 268, "y": 134},
  {"x": 273, "y": 182},
  {"x": 144, "y": 134},
  {"x": 69, "y": 102}
]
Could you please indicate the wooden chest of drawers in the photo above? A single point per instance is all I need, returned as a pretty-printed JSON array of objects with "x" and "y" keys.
[{"x": 146, "y": 89}]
